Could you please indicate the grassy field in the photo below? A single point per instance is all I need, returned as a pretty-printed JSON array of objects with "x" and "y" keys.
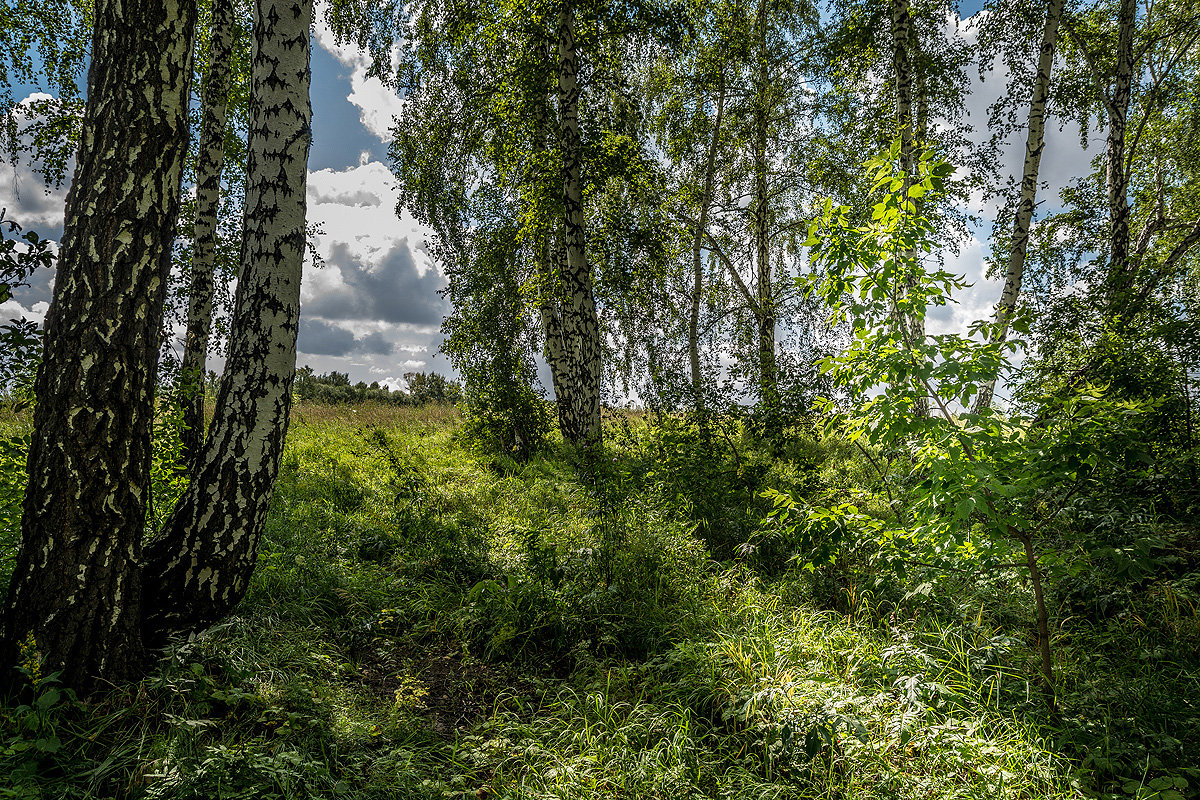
[{"x": 428, "y": 620}]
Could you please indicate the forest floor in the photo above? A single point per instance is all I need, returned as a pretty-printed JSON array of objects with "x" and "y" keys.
[{"x": 428, "y": 620}]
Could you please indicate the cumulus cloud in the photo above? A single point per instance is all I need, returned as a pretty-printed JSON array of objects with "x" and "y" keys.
[
  {"x": 391, "y": 290},
  {"x": 357, "y": 206},
  {"x": 374, "y": 309},
  {"x": 11, "y": 309},
  {"x": 377, "y": 104},
  {"x": 27, "y": 198},
  {"x": 977, "y": 301},
  {"x": 323, "y": 339},
  {"x": 376, "y": 344},
  {"x": 318, "y": 337}
]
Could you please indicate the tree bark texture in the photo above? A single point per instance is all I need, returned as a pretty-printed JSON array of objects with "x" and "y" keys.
[
  {"x": 579, "y": 415},
  {"x": 550, "y": 253},
  {"x": 710, "y": 170},
  {"x": 1035, "y": 142},
  {"x": 199, "y": 567},
  {"x": 75, "y": 589},
  {"x": 211, "y": 162},
  {"x": 902, "y": 40},
  {"x": 550, "y": 257},
  {"x": 1120, "y": 269},
  {"x": 768, "y": 378}
]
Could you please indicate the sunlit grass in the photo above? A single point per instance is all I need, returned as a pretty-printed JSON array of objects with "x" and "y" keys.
[{"x": 429, "y": 620}]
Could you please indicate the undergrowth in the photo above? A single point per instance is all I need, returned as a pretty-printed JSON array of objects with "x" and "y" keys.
[{"x": 429, "y": 619}]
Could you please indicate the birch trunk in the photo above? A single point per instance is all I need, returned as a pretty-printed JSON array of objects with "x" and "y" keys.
[
  {"x": 579, "y": 417},
  {"x": 199, "y": 567},
  {"x": 208, "y": 187},
  {"x": 1120, "y": 269},
  {"x": 710, "y": 169},
  {"x": 1035, "y": 142},
  {"x": 556, "y": 347},
  {"x": 768, "y": 380},
  {"x": 74, "y": 591},
  {"x": 548, "y": 255},
  {"x": 902, "y": 65}
]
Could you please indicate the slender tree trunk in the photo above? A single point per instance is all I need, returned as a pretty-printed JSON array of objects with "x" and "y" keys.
[
  {"x": 920, "y": 125},
  {"x": 911, "y": 325},
  {"x": 549, "y": 260},
  {"x": 199, "y": 567},
  {"x": 208, "y": 188},
  {"x": 902, "y": 39},
  {"x": 556, "y": 346},
  {"x": 1120, "y": 269},
  {"x": 580, "y": 416},
  {"x": 768, "y": 379},
  {"x": 710, "y": 170},
  {"x": 1035, "y": 142},
  {"x": 74, "y": 592},
  {"x": 1043, "y": 617}
]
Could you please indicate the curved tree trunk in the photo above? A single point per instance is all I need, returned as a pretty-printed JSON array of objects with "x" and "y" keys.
[
  {"x": 75, "y": 592},
  {"x": 579, "y": 416},
  {"x": 1035, "y": 142},
  {"x": 199, "y": 567},
  {"x": 208, "y": 187}
]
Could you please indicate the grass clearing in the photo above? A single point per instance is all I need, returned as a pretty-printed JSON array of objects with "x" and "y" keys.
[{"x": 430, "y": 621}]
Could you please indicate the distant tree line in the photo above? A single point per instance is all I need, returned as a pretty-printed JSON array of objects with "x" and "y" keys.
[{"x": 424, "y": 388}]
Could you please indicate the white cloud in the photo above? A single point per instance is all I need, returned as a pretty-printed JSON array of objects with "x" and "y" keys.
[
  {"x": 373, "y": 309},
  {"x": 27, "y": 198},
  {"x": 10, "y": 309},
  {"x": 377, "y": 104},
  {"x": 357, "y": 207},
  {"x": 975, "y": 302}
]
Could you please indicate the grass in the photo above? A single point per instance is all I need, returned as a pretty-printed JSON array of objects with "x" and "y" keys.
[{"x": 427, "y": 620}]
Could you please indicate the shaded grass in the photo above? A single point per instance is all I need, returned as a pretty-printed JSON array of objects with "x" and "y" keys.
[{"x": 427, "y": 620}]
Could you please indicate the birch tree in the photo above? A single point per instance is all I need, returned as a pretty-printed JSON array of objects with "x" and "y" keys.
[
  {"x": 507, "y": 111},
  {"x": 198, "y": 568},
  {"x": 748, "y": 176},
  {"x": 85, "y": 600},
  {"x": 210, "y": 164},
  {"x": 1106, "y": 275},
  {"x": 1137, "y": 84},
  {"x": 577, "y": 327},
  {"x": 1035, "y": 142},
  {"x": 76, "y": 584}
]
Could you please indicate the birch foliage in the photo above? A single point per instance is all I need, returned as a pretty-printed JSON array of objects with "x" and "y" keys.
[{"x": 985, "y": 488}]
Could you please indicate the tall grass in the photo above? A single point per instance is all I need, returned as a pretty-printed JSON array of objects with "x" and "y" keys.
[{"x": 430, "y": 620}]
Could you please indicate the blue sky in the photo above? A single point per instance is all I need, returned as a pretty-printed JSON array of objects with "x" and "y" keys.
[{"x": 373, "y": 310}]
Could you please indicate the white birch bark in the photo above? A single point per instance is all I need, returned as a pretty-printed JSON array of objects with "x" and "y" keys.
[
  {"x": 200, "y": 566},
  {"x": 710, "y": 170},
  {"x": 1121, "y": 270},
  {"x": 211, "y": 163},
  {"x": 911, "y": 326},
  {"x": 580, "y": 324},
  {"x": 768, "y": 379},
  {"x": 1035, "y": 142}
]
